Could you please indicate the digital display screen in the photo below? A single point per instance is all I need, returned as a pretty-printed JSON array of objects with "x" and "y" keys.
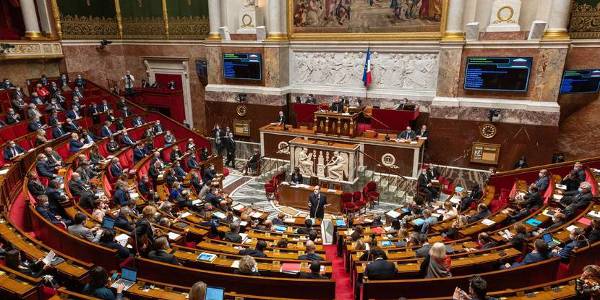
[
  {"x": 580, "y": 81},
  {"x": 246, "y": 66},
  {"x": 507, "y": 74}
]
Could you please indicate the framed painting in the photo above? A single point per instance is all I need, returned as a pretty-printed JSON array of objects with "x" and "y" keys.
[{"x": 366, "y": 19}]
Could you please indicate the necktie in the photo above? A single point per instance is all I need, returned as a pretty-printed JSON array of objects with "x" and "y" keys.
[{"x": 14, "y": 152}]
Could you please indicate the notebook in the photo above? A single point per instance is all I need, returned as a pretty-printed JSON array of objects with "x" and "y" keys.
[
  {"x": 386, "y": 243},
  {"x": 487, "y": 222},
  {"x": 533, "y": 222},
  {"x": 340, "y": 223},
  {"x": 418, "y": 222},
  {"x": 290, "y": 268},
  {"x": 280, "y": 228},
  {"x": 392, "y": 214}
]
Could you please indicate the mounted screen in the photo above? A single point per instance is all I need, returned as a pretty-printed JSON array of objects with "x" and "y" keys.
[
  {"x": 580, "y": 81},
  {"x": 245, "y": 66},
  {"x": 505, "y": 74}
]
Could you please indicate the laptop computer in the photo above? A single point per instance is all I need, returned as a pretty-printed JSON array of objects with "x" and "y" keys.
[
  {"x": 128, "y": 278},
  {"x": 214, "y": 293},
  {"x": 108, "y": 223}
]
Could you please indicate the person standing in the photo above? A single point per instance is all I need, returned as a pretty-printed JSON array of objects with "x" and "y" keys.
[
  {"x": 218, "y": 137},
  {"x": 128, "y": 81},
  {"x": 230, "y": 146},
  {"x": 316, "y": 204}
]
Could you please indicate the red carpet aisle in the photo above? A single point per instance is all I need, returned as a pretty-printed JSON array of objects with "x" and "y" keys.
[{"x": 343, "y": 289}]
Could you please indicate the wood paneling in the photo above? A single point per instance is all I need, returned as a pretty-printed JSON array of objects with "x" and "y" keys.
[{"x": 223, "y": 113}]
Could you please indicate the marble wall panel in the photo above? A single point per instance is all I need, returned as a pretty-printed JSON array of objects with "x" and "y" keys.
[
  {"x": 19, "y": 71},
  {"x": 449, "y": 72}
]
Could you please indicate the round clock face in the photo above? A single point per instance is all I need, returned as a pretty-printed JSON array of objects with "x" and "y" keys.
[
  {"x": 241, "y": 110},
  {"x": 488, "y": 131},
  {"x": 246, "y": 20},
  {"x": 505, "y": 13}
]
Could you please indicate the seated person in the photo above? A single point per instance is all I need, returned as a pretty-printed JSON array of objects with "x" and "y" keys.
[
  {"x": 161, "y": 251},
  {"x": 439, "y": 262},
  {"x": 209, "y": 174},
  {"x": 594, "y": 231},
  {"x": 43, "y": 208},
  {"x": 578, "y": 240},
  {"x": 139, "y": 153},
  {"x": 75, "y": 144},
  {"x": 532, "y": 200},
  {"x": 112, "y": 146},
  {"x": 127, "y": 140},
  {"x": 107, "y": 239},
  {"x": 482, "y": 213},
  {"x": 575, "y": 201},
  {"x": 169, "y": 138},
  {"x": 12, "y": 151},
  {"x": 179, "y": 171},
  {"x": 252, "y": 163},
  {"x": 234, "y": 233},
  {"x": 315, "y": 271},
  {"x": 78, "y": 229},
  {"x": 574, "y": 178},
  {"x": 99, "y": 285},
  {"x": 407, "y": 134},
  {"x": 477, "y": 290},
  {"x": 473, "y": 196},
  {"x": 540, "y": 253},
  {"x": 14, "y": 261},
  {"x": 310, "y": 252},
  {"x": 380, "y": 268},
  {"x": 543, "y": 181},
  {"x": 308, "y": 223},
  {"x": 519, "y": 240},
  {"x": 258, "y": 251},
  {"x": 34, "y": 185},
  {"x": 247, "y": 266},
  {"x": 296, "y": 176},
  {"x": 485, "y": 241}
]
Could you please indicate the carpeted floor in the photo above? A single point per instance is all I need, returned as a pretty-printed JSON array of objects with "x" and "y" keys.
[{"x": 343, "y": 288}]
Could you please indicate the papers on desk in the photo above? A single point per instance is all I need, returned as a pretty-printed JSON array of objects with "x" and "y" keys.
[
  {"x": 455, "y": 200},
  {"x": 49, "y": 258},
  {"x": 557, "y": 197},
  {"x": 507, "y": 235},
  {"x": 256, "y": 215},
  {"x": 122, "y": 239},
  {"x": 4, "y": 171},
  {"x": 185, "y": 215},
  {"x": 571, "y": 228},
  {"x": 422, "y": 137},
  {"x": 289, "y": 220},
  {"x": 549, "y": 213},
  {"x": 238, "y": 207},
  {"x": 331, "y": 191},
  {"x": 197, "y": 202},
  {"x": 561, "y": 186},
  {"x": 235, "y": 264},
  {"x": 392, "y": 214},
  {"x": 594, "y": 214},
  {"x": 243, "y": 223},
  {"x": 173, "y": 236},
  {"x": 413, "y": 142},
  {"x": 488, "y": 222},
  {"x": 244, "y": 237},
  {"x": 134, "y": 195},
  {"x": 219, "y": 215},
  {"x": 208, "y": 257},
  {"x": 388, "y": 228}
]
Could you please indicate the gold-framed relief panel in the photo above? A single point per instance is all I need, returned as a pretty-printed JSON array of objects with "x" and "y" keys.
[{"x": 367, "y": 19}]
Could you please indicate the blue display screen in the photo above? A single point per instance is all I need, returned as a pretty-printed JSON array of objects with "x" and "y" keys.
[
  {"x": 580, "y": 81},
  {"x": 508, "y": 74},
  {"x": 246, "y": 66}
]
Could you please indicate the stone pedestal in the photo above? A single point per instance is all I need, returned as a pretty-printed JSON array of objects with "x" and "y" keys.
[
  {"x": 249, "y": 17},
  {"x": 505, "y": 16}
]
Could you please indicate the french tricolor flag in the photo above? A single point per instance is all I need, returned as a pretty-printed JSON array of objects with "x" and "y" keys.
[{"x": 367, "y": 71}]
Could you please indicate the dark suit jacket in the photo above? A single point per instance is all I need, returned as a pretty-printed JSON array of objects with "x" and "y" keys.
[
  {"x": 57, "y": 132},
  {"x": 208, "y": 175},
  {"x": 310, "y": 256},
  {"x": 75, "y": 145},
  {"x": 47, "y": 214},
  {"x": 78, "y": 188},
  {"x": 44, "y": 170},
  {"x": 380, "y": 269},
  {"x": 138, "y": 154},
  {"x": 36, "y": 188},
  {"x": 34, "y": 126},
  {"x": 542, "y": 184},
  {"x": 252, "y": 252},
  {"x": 121, "y": 197},
  {"x": 163, "y": 256},
  {"x": 233, "y": 237},
  {"x": 305, "y": 275},
  {"x": 105, "y": 131},
  {"x": 70, "y": 127},
  {"x": 8, "y": 153},
  {"x": 115, "y": 170},
  {"x": 407, "y": 135}
]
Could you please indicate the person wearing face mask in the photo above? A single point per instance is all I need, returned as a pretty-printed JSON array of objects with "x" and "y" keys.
[
  {"x": 575, "y": 177},
  {"x": 317, "y": 203},
  {"x": 43, "y": 168},
  {"x": 12, "y": 151},
  {"x": 209, "y": 173},
  {"x": 161, "y": 252},
  {"x": 578, "y": 200},
  {"x": 543, "y": 181}
]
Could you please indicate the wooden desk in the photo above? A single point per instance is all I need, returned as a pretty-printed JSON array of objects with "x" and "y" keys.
[
  {"x": 333, "y": 123},
  {"x": 297, "y": 196}
]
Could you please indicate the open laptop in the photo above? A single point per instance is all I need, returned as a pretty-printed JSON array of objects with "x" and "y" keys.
[
  {"x": 128, "y": 278},
  {"x": 108, "y": 223},
  {"x": 214, "y": 293}
]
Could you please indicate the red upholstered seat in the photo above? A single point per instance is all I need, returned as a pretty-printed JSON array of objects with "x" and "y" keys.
[
  {"x": 225, "y": 172},
  {"x": 358, "y": 201},
  {"x": 348, "y": 205},
  {"x": 370, "y": 193},
  {"x": 589, "y": 178}
]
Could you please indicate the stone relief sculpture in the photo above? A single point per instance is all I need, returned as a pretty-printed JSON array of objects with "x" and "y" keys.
[
  {"x": 336, "y": 166},
  {"x": 395, "y": 71},
  {"x": 304, "y": 162}
]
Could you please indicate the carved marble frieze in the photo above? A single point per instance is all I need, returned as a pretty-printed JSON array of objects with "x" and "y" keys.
[
  {"x": 29, "y": 50},
  {"x": 83, "y": 27},
  {"x": 343, "y": 70}
]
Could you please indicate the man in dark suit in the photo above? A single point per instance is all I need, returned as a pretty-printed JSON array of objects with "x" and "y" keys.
[
  {"x": 281, "y": 121},
  {"x": 78, "y": 187},
  {"x": 106, "y": 131},
  {"x": 43, "y": 169},
  {"x": 70, "y": 126},
  {"x": 574, "y": 201},
  {"x": 127, "y": 140},
  {"x": 80, "y": 82},
  {"x": 380, "y": 268},
  {"x": 115, "y": 168},
  {"x": 315, "y": 271},
  {"x": 256, "y": 252},
  {"x": 73, "y": 113},
  {"x": 75, "y": 144},
  {"x": 43, "y": 208},
  {"x": 252, "y": 163},
  {"x": 35, "y": 125},
  {"x": 310, "y": 252},
  {"x": 161, "y": 252},
  {"x": 13, "y": 150},
  {"x": 137, "y": 122},
  {"x": 104, "y": 107},
  {"x": 217, "y": 134},
  {"x": 34, "y": 185},
  {"x": 234, "y": 233},
  {"x": 121, "y": 195},
  {"x": 57, "y": 132},
  {"x": 138, "y": 153},
  {"x": 543, "y": 181},
  {"x": 192, "y": 163},
  {"x": 426, "y": 187},
  {"x": 337, "y": 105},
  {"x": 574, "y": 178},
  {"x": 230, "y": 146},
  {"x": 94, "y": 112},
  {"x": 316, "y": 204},
  {"x": 209, "y": 174},
  {"x": 532, "y": 200},
  {"x": 12, "y": 117},
  {"x": 407, "y": 134},
  {"x": 144, "y": 186},
  {"x": 55, "y": 197},
  {"x": 175, "y": 154},
  {"x": 423, "y": 132},
  {"x": 157, "y": 127}
]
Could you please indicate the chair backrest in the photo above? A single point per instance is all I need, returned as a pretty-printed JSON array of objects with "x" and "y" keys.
[
  {"x": 372, "y": 186},
  {"x": 346, "y": 197},
  {"x": 589, "y": 178},
  {"x": 356, "y": 196}
]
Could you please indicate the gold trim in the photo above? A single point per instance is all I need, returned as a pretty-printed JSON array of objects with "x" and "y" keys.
[
  {"x": 33, "y": 35},
  {"x": 277, "y": 37},
  {"x": 165, "y": 18},
  {"x": 453, "y": 36},
  {"x": 502, "y": 19},
  {"x": 556, "y": 35},
  {"x": 213, "y": 36},
  {"x": 366, "y": 36},
  {"x": 119, "y": 18},
  {"x": 56, "y": 16}
]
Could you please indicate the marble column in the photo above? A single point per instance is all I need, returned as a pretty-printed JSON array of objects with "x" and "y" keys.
[
  {"x": 214, "y": 18},
  {"x": 558, "y": 20},
  {"x": 32, "y": 27},
  {"x": 454, "y": 22},
  {"x": 274, "y": 30}
]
